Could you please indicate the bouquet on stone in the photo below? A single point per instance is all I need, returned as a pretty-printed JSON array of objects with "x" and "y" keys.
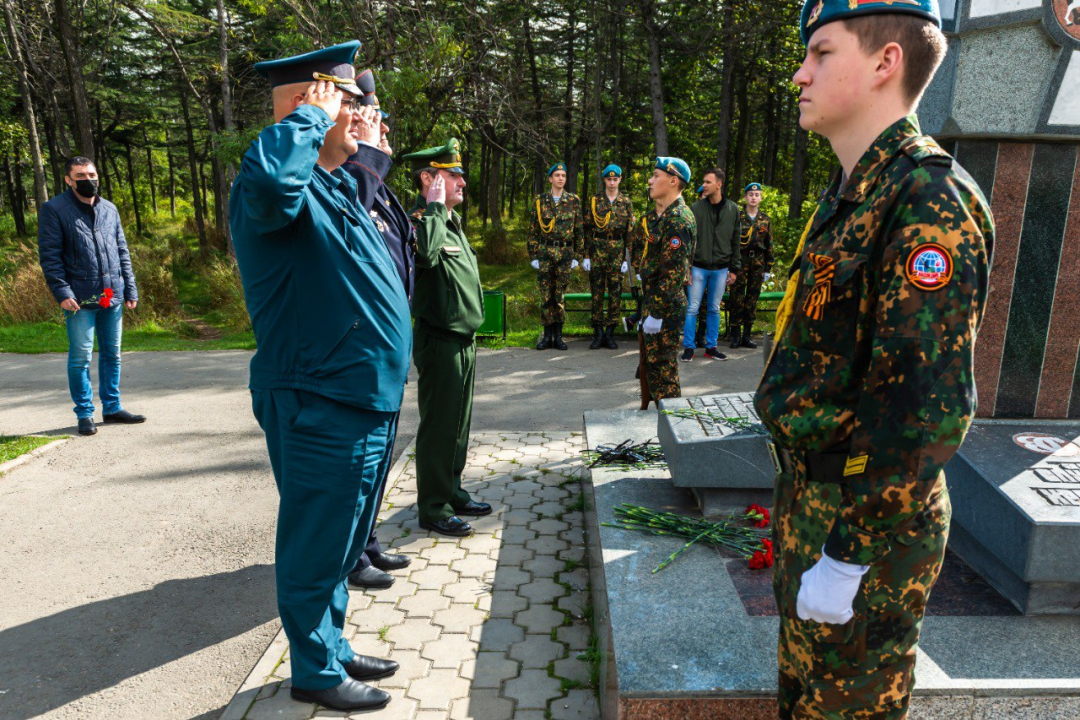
[{"x": 731, "y": 532}]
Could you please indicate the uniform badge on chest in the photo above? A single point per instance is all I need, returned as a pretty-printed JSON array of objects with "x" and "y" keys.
[{"x": 377, "y": 220}]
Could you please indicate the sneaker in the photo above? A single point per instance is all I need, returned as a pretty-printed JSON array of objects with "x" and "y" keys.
[
  {"x": 687, "y": 355},
  {"x": 715, "y": 354}
]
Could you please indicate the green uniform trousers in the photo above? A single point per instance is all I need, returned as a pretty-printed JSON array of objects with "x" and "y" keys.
[
  {"x": 864, "y": 668},
  {"x": 329, "y": 460},
  {"x": 744, "y": 293},
  {"x": 447, "y": 369},
  {"x": 552, "y": 279},
  {"x": 662, "y": 361}
]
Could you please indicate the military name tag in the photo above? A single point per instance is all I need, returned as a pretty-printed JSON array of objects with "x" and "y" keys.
[{"x": 452, "y": 249}]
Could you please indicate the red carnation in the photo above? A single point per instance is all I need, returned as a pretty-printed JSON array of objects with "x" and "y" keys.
[
  {"x": 756, "y": 510},
  {"x": 106, "y": 298},
  {"x": 763, "y": 558}
]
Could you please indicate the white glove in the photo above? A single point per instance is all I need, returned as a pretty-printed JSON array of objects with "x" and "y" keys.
[
  {"x": 828, "y": 590},
  {"x": 535, "y": 264},
  {"x": 586, "y": 264},
  {"x": 625, "y": 267},
  {"x": 767, "y": 276},
  {"x": 651, "y": 326},
  {"x": 574, "y": 264},
  {"x": 638, "y": 277}
]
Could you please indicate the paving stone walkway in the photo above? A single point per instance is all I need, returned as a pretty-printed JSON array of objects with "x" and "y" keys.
[{"x": 492, "y": 627}]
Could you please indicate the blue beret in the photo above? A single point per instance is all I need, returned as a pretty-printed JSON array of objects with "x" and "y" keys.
[
  {"x": 700, "y": 189},
  {"x": 674, "y": 166},
  {"x": 611, "y": 171},
  {"x": 816, "y": 13},
  {"x": 333, "y": 63},
  {"x": 752, "y": 186},
  {"x": 366, "y": 82},
  {"x": 556, "y": 166}
]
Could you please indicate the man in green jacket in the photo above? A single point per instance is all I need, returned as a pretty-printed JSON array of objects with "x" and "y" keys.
[
  {"x": 448, "y": 305},
  {"x": 715, "y": 261}
]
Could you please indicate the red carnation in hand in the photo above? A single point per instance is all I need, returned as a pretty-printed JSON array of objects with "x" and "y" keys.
[
  {"x": 106, "y": 298},
  {"x": 755, "y": 510}
]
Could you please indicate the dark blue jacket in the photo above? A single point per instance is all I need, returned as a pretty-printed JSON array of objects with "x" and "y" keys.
[
  {"x": 369, "y": 167},
  {"x": 83, "y": 250},
  {"x": 329, "y": 313}
]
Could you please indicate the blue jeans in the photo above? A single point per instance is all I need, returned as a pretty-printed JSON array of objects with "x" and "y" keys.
[
  {"x": 81, "y": 328},
  {"x": 715, "y": 281}
]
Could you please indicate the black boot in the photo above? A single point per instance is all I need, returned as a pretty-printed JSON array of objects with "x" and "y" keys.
[
  {"x": 736, "y": 339},
  {"x": 609, "y": 338},
  {"x": 598, "y": 340},
  {"x": 556, "y": 337},
  {"x": 746, "y": 341},
  {"x": 545, "y": 340}
]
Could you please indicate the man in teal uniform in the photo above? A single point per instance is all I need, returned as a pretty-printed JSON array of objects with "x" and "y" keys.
[
  {"x": 331, "y": 323},
  {"x": 449, "y": 309}
]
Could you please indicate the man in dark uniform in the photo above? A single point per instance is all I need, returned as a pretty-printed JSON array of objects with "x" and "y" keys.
[
  {"x": 449, "y": 309},
  {"x": 331, "y": 323},
  {"x": 609, "y": 218},
  {"x": 369, "y": 166},
  {"x": 869, "y": 391},
  {"x": 757, "y": 260},
  {"x": 556, "y": 240}
]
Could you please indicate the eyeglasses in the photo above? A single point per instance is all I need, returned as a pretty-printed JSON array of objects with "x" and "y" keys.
[{"x": 353, "y": 105}]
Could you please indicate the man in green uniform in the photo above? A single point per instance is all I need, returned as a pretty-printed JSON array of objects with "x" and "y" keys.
[
  {"x": 869, "y": 391},
  {"x": 331, "y": 323},
  {"x": 556, "y": 240},
  {"x": 448, "y": 305},
  {"x": 609, "y": 217},
  {"x": 661, "y": 250},
  {"x": 757, "y": 260}
]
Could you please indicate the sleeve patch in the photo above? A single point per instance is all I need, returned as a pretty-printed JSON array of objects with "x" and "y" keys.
[
  {"x": 929, "y": 267},
  {"x": 675, "y": 243}
]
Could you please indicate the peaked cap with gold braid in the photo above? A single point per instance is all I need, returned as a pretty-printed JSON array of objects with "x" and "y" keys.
[{"x": 444, "y": 157}]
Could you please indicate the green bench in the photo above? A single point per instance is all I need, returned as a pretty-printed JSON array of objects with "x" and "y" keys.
[{"x": 581, "y": 302}]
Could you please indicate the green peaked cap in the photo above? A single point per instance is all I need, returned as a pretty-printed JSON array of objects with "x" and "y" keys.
[{"x": 444, "y": 157}]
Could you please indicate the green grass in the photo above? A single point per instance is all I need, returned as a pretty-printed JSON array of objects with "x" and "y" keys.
[
  {"x": 12, "y": 446},
  {"x": 51, "y": 337}
]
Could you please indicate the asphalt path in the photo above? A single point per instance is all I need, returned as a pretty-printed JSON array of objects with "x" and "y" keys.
[{"x": 136, "y": 575}]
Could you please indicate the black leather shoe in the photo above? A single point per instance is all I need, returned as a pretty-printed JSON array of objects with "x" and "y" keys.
[
  {"x": 452, "y": 526},
  {"x": 124, "y": 417},
  {"x": 371, "y": 577},
  {"x": 556, "y": 337},
  {"x": 365, "y": 667},
  {"x": 747, "y": 342},
  {"x": 349, "y": 695},
  {"x": 545, "y": 340},
  {"x": 598, "y": 339},
  {"x": 87, "y": 426},
  {"x": 390, "y": 561},
  {"x": 474, "y": 509},
  {"x": 609, "y": 338}
]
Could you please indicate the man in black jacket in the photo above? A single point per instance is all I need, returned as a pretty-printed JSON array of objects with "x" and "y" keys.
[
  {"x": 85, "y": 259},
  {"x": 716, "y": 261}
]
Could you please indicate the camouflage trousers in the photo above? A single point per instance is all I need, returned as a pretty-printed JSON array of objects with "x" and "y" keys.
[
  {"x": 553, "y": 277},
  {"x": 604, "y": 277},
  {"x": 744, "y": 292},
  {"x": 864, "y": 668},
  {"x": 662, "y": 361}
]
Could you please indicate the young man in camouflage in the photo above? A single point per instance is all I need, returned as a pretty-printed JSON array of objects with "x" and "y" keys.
[
  {"x": 556, "y": 240},
  {"x": 661, "y": 247},
  {"x": 757, "y": 260},
  {"x": 609, "y": 218},
  {"x": 869, "y": 390}
]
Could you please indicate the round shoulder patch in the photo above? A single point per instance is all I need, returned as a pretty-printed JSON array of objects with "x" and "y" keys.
[
  {"x": 675, "y": 243},
  {"x": 929, "y": 267}
]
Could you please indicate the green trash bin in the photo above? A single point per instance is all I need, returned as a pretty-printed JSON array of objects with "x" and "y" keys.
[{"x": 494, "y": 314}]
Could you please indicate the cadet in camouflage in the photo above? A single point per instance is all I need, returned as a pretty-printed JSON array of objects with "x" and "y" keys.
[
  {"x": 662, "y": 243},
  {"x": 556, "y": 240},
  {"x": 757, "y": 261},
  {"x": 869, "y": 391},
  {"x": 609, "y": 218}
]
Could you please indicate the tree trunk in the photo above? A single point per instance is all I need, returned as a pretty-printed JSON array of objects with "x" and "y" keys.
[
  {"x": 656, "y": 83},
  {"x": 768, "y": 145},
  {"x": 538, "y": 109},
  {"x": 221, "y": 202},
  {"x": 172, "y": 174},
  {"x": 14, "y": 197},
  {"x": 798, "y": 174},
  {"x": 41, "y": 190},
  {"x": 150, "y": 167},
  {"x": 56, "y": 159},
  {"x": 223, "y": 61},
  {"x": 193, "y": 167},
  {"x": 568, "y": 100},
  {"x": 84, "y": 138},
  {"x": 134, "y": 193},
  {"x": 742, "y": 139},
  {"x": 485, "y": 154}
]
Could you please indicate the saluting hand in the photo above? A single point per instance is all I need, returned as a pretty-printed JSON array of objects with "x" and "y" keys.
[
  {"x": 436, "y": 192},
  {"x": 369, "y": 129},
  {"x": 325, "y": 96}
]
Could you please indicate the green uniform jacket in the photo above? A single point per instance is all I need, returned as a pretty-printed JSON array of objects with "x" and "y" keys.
[
  {"x": 327, "y": 306},
  {"x": 567, "y": 230},
  {"x": 877, "y": 358},
  {"x": 618, "y": 217},
  {"x": 757, "y": 238},
  {"x": 716, "y": 244},
  {"x": 662, "y": 252},
  {"x": 448, "y": 297}
]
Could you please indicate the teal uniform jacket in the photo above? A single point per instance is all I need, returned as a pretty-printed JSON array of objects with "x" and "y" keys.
[{"x": 329, "y": 312}]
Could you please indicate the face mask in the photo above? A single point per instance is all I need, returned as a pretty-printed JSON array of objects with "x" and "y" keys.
[{"x": 86, "y": 188}]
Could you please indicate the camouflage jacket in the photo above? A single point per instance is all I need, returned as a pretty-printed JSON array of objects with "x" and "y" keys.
[
  {"x": 617, "y": 218},
  {"x": 756, "y": 235},
  {"x": 876, "y": 361},
  {"x": 660, "y": 251},
  {"x": 566, "y": 230}
]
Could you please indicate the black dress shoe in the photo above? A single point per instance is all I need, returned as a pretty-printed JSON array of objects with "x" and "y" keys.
[
  {"x": 452, "y": 526},
  {"x": 474, "y": 509},
  {"x": 125, "y": 417},
  {"x": 349, "y": 695},
  {"x": 365, "y": 667},
  {"x": 390, "y": 561},
  {"x": 87, "y": 426},
  {"x": 371, "y": 577}
]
